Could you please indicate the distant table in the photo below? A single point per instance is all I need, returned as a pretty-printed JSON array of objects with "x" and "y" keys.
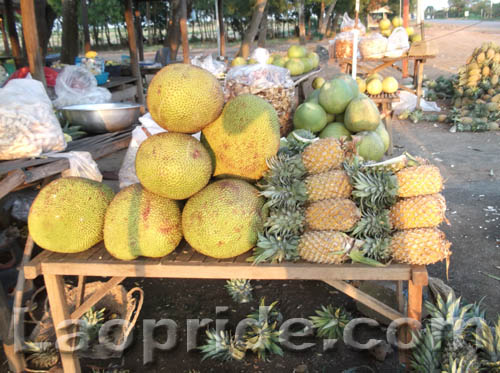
[{"x": 122, "y": 88}]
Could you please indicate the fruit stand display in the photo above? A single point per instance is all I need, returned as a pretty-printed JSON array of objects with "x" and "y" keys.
[{"x": 257, "y": 206}]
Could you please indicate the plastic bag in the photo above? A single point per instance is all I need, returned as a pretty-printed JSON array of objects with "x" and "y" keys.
[
  {"x": 397, "y": 43},
  {"x": 348, "y": 24},
  {"x": 209, "y": 63},
  {"x": 344, "y": 45},
  {"x": 75, "y": 85},
  {"x": 261, "y": 55},
  {"x": 408, "y": 101},
  {"x": 81, "y": 164},
  {"x": 28, "y": 125},
  {"x": 373, "y": 46}
]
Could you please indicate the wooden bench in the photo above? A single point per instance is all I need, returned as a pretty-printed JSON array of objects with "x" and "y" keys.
[{"x": 186, "y": 263}]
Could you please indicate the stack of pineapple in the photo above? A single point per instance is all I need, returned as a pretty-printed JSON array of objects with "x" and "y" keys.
[{"x": 326, "y": 206}]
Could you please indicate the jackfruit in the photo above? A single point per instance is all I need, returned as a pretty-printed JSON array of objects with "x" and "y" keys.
[
  {"x": 67, "y": 216},
  {"x": 173, "y": 165},
  {"x": 184, "y": 98},
  {"x": 140, "y": 223},
  {"x": 245, "y": 135},
  {"x": 223, "y": 219}
]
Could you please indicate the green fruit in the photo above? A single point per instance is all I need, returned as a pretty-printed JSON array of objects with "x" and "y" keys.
[
  {"x": 270, "y": 60},
  {"x": 296, "y": 66},
  {"x": 352, "y": 83},
  {"x": 369, "y": 146},
  {"x": 335, "y": 95},
  {"x": 224, "y": 219},
  {"x": 308, "y": 64},
  {"x": 384, "y": 135},
  {"x": 140, "y": 223},
  {"x": 238, "y": 61},
  {"x": 252, "y": 61},
  {"x": 336, "y": 130},
  {"x": 309, "y": 116},
  {"x": 362, "y": 115},
  {"x": 313, "y": 96},
  {"x": 173, "y": 165},
  {"x": 67, "y": 216},
  {"x": 297, "y": 51},
  {"x": 314, "y": 57},
  {"x": 330, "y": 117},
  {"x": 279, "y": 61},
  {"x": 374, "y": 76},
  {"x": 318, "y": 82}
]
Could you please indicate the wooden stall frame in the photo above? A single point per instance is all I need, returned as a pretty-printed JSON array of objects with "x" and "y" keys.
[{"x": 186, "y": 263}]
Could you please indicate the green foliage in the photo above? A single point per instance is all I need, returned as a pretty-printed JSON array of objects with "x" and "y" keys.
[{"x": 330, "y": 322}]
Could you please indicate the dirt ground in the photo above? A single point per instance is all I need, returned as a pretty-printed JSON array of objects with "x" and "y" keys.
[{"x": 469, "y": 163}]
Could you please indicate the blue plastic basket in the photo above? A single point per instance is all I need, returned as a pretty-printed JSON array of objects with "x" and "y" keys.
[{"x": 102, "y": 78}]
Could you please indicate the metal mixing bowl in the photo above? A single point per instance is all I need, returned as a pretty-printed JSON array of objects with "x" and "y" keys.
[{"x": 99, "y": 118}]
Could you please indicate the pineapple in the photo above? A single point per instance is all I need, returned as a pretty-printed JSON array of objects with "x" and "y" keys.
[
  {"x": 330, "y": 323},
  {"x": 461, "y": 365},
  {"x": 338, "y": 214},
  {"x": 373, "y": 224},
  {"x": 488, "y": 342},
  {"x": 222, "y": 346},
  {"x": 378, "y": 249},
  {"x": 418, "y": 212},
  {"x": 425, "y": 356},
  {"x": 328, "y": 247},
  {"x": 329, "y": 184},
  {"x": 240, "y": 290},
  {"x": 419, "y": 180},
  {"x": 323, "y": 155},
  {"x": 92, "y": 323},
  {"x": 420, "y": 246},
  {"x": 42, "y": 355}
]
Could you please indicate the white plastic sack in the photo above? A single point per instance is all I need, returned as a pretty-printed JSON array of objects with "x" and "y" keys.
[
  {"x": 397, "y": 43},
  {"x": 75, "y": 85},
  {"x": 209, "y": 63},
  {"x": 348, "y": 24},
  {"x": 28, "y": 125},
  {"x": 408, "y": 101},
  {"x": 261, "y": 55},
  {"x": 81, "y": 164}
]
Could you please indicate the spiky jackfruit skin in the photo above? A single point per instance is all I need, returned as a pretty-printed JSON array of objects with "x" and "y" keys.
[
  {"x": 67, "y": 216},
  {"x": 245, "y": 135},
  {"x": 223, "y": 219},
  {"x": 173, "y": 165},
  {"x": 140, "y": 223},
  {"x": 184, "y": 98}
]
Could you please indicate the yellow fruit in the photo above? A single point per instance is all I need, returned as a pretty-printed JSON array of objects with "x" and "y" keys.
[
  {"x": 390, "y": 85},
  {"x": 325, "y": 246},
  {"x": 374, "y": 76},
  {"x": 416, "y": 38},
  {"x": 140, "y": 223},
  {"x": 386, "y": 33},
  {"x": 397, "y": 21},
  {"x": 384, "y": 24},
  {"x": 418, "y": 212},
  {"x": 486, "y": 71},
  {"x": 374, "y": 87},
  {"x": 184, "y": 98},
  {"x": 246, "y": 134},
  {"x": 323, "y": 155},
  {"x": 361, "y": 85},
  {"x": 173, "y": 165},
  {"x": 91, "y": 54},
  {"x": 327, "y": 185},
  {"x": 67, "y": 216},
  {"x": 337, "y": 214},
  {"x": 410, "y": 31},
  {"x": 420, "y": 246},
  {"x": 223, "y": 219},
  {"x": 419, "y": 180}
]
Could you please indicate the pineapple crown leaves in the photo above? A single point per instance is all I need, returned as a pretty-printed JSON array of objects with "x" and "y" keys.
[
  {"x": 488, "y": 341},
  {"x": 330, "y": 322},
  {"x": 43, "y": 355},
  {"x": 373, "y": 224},
  {"x": 275, "y": 249},
  {"x": 222, "y": 346},
  {"x": 92, "y": 322},
  {"x": 240, "y": 290},
  {"x": 425, "y": 356},
  {"x": 297, "y": 141},
  {"x": 461, "y": 365},
  {"x": 377, "y": 248},
  {"x": 285, "y": 222}
]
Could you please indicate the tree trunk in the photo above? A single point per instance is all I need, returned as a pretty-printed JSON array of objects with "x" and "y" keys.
[
  {"x": 108, "y": 34},
  {"x": 85, "y": 25},
  {"x": 45, "y": 16},
  {"x": 173, "y": 29},
  {"x": 302, "y": 23},
  {"x": 69, "y": 48},
  {"x": 95, "y": 33},
  {"x": 138, "y": 31},
  {"x": 222, "y": 32},
  {"x": 148, "y": 20},
  {"x": 328, "y": 16},
  {"x": 120, "y": 37},
  {"x": 321, "y": 16},
  {"x": 263, "y": 30},
  {"x": 252, "y": 29},
  {"x": 14, "y": 39},
  {"x": 6, "y": 45},
  {"x": 184, "y": 31}
]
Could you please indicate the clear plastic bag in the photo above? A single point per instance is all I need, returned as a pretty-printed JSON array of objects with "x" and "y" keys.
[
  {"x": 76, "y": 85},
  {"x": 209, "y": 63},
  {"x": 348, "y": 24},
  {"x": 397, "y": 43},
  {"x": 373, "y": 46},
  {"x": 408, "y": 101},
  {"x": 344, "y": 45},
  {"x": 81, "y": 164},
  {"x": 261, "y": 55},
  {"x": 28, "y": 125}
]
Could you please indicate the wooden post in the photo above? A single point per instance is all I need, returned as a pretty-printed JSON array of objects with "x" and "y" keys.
[
  {"x": 222, "y": 33},
  {"x": 138, "y": 30},
  {"x": 6, "y": 46},
  {"x": 184, "y": 31},
  {"x": 16, "y": 360},
  {"x": 85, "y": 24},
  {"x": 406, "y": 20},
  {"x": 132, "y": 45},
  {"x": 14, "y": 39},
  {"x": 31, "y": 40}
]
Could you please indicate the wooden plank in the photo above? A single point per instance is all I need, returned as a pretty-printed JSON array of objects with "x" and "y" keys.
[
  {"x": 366, "y": 299},
  {"x": 415, "y": 300},
  {"x": 185, "y": 253},
  {"x": 97, "y": 296},
  {"x": 46, "y": 170},
  {"x": 400, "y": 298},
  {"x": 80, "y": 291},
  {"x": 30, "y": 33},
  {"x": 132, "y": 45},
  {"x": 14, "y": 39},
  {"x": 197, "y": 257},
  {"x": 243, "y": 257},
  {"x": 60, "y": 312},
  {"x": 419, "y": 275},
  {"x": 33, "y": 269},
  {"x": 10, "y": 182},
  {"x": 420, "y": 78}
]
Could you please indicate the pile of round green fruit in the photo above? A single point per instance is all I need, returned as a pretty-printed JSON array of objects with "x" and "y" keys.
[{"x": 338, "y": 109}]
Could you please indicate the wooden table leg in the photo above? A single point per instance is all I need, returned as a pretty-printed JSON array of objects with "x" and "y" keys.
[
  {"x": 419, "y": 81},
  {"x": 400, "y": 297},
  {"x": 60, "y": 312},
  {"x": 387, "y": 109},
  {"x": 415, "y": 73}
]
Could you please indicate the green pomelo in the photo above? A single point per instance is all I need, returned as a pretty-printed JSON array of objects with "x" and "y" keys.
[
  {"x": 296, "y": 66},
  {"x": 361, "y": 115},
  {"x": 370, "y": 146},
  {"x": 252, "y": 61},
  {"x": 224, "y": 219},
  {"x": 314, "y": 58},
  {"x": 313, "y": 96},
  {"x": 318, "y": 82},
  {"x": 352, "y": 83},
  {"x": 334, "y": 96},
  {"x": 384, "y": 135},
  {"x": 279, "y": 61},
  {"x": 141, "y": 223},
  {"x": 297, "y": 51},
  {"x": 308, "y": 64},
  {"x": 238, "y": 61},
  {"x": 309, "y": 116},
  {"x": 330, "y": 117},
  {"x": 67, "y": 216},
  {"x": 336, "y": 130},
  {"x": 173, "y": 165}
]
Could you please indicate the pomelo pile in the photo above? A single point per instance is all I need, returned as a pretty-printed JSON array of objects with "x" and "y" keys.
[
  {"x": 386, "y": 29},
  {"x": 375, "y": 84},
  {"x": 221, "y": 218},
  {"x": 339, "y": 110}
]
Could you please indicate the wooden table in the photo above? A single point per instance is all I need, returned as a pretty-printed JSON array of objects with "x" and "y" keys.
[
  {"x": 122, "y": 88},
  {"x": 186, "y": 263}
]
